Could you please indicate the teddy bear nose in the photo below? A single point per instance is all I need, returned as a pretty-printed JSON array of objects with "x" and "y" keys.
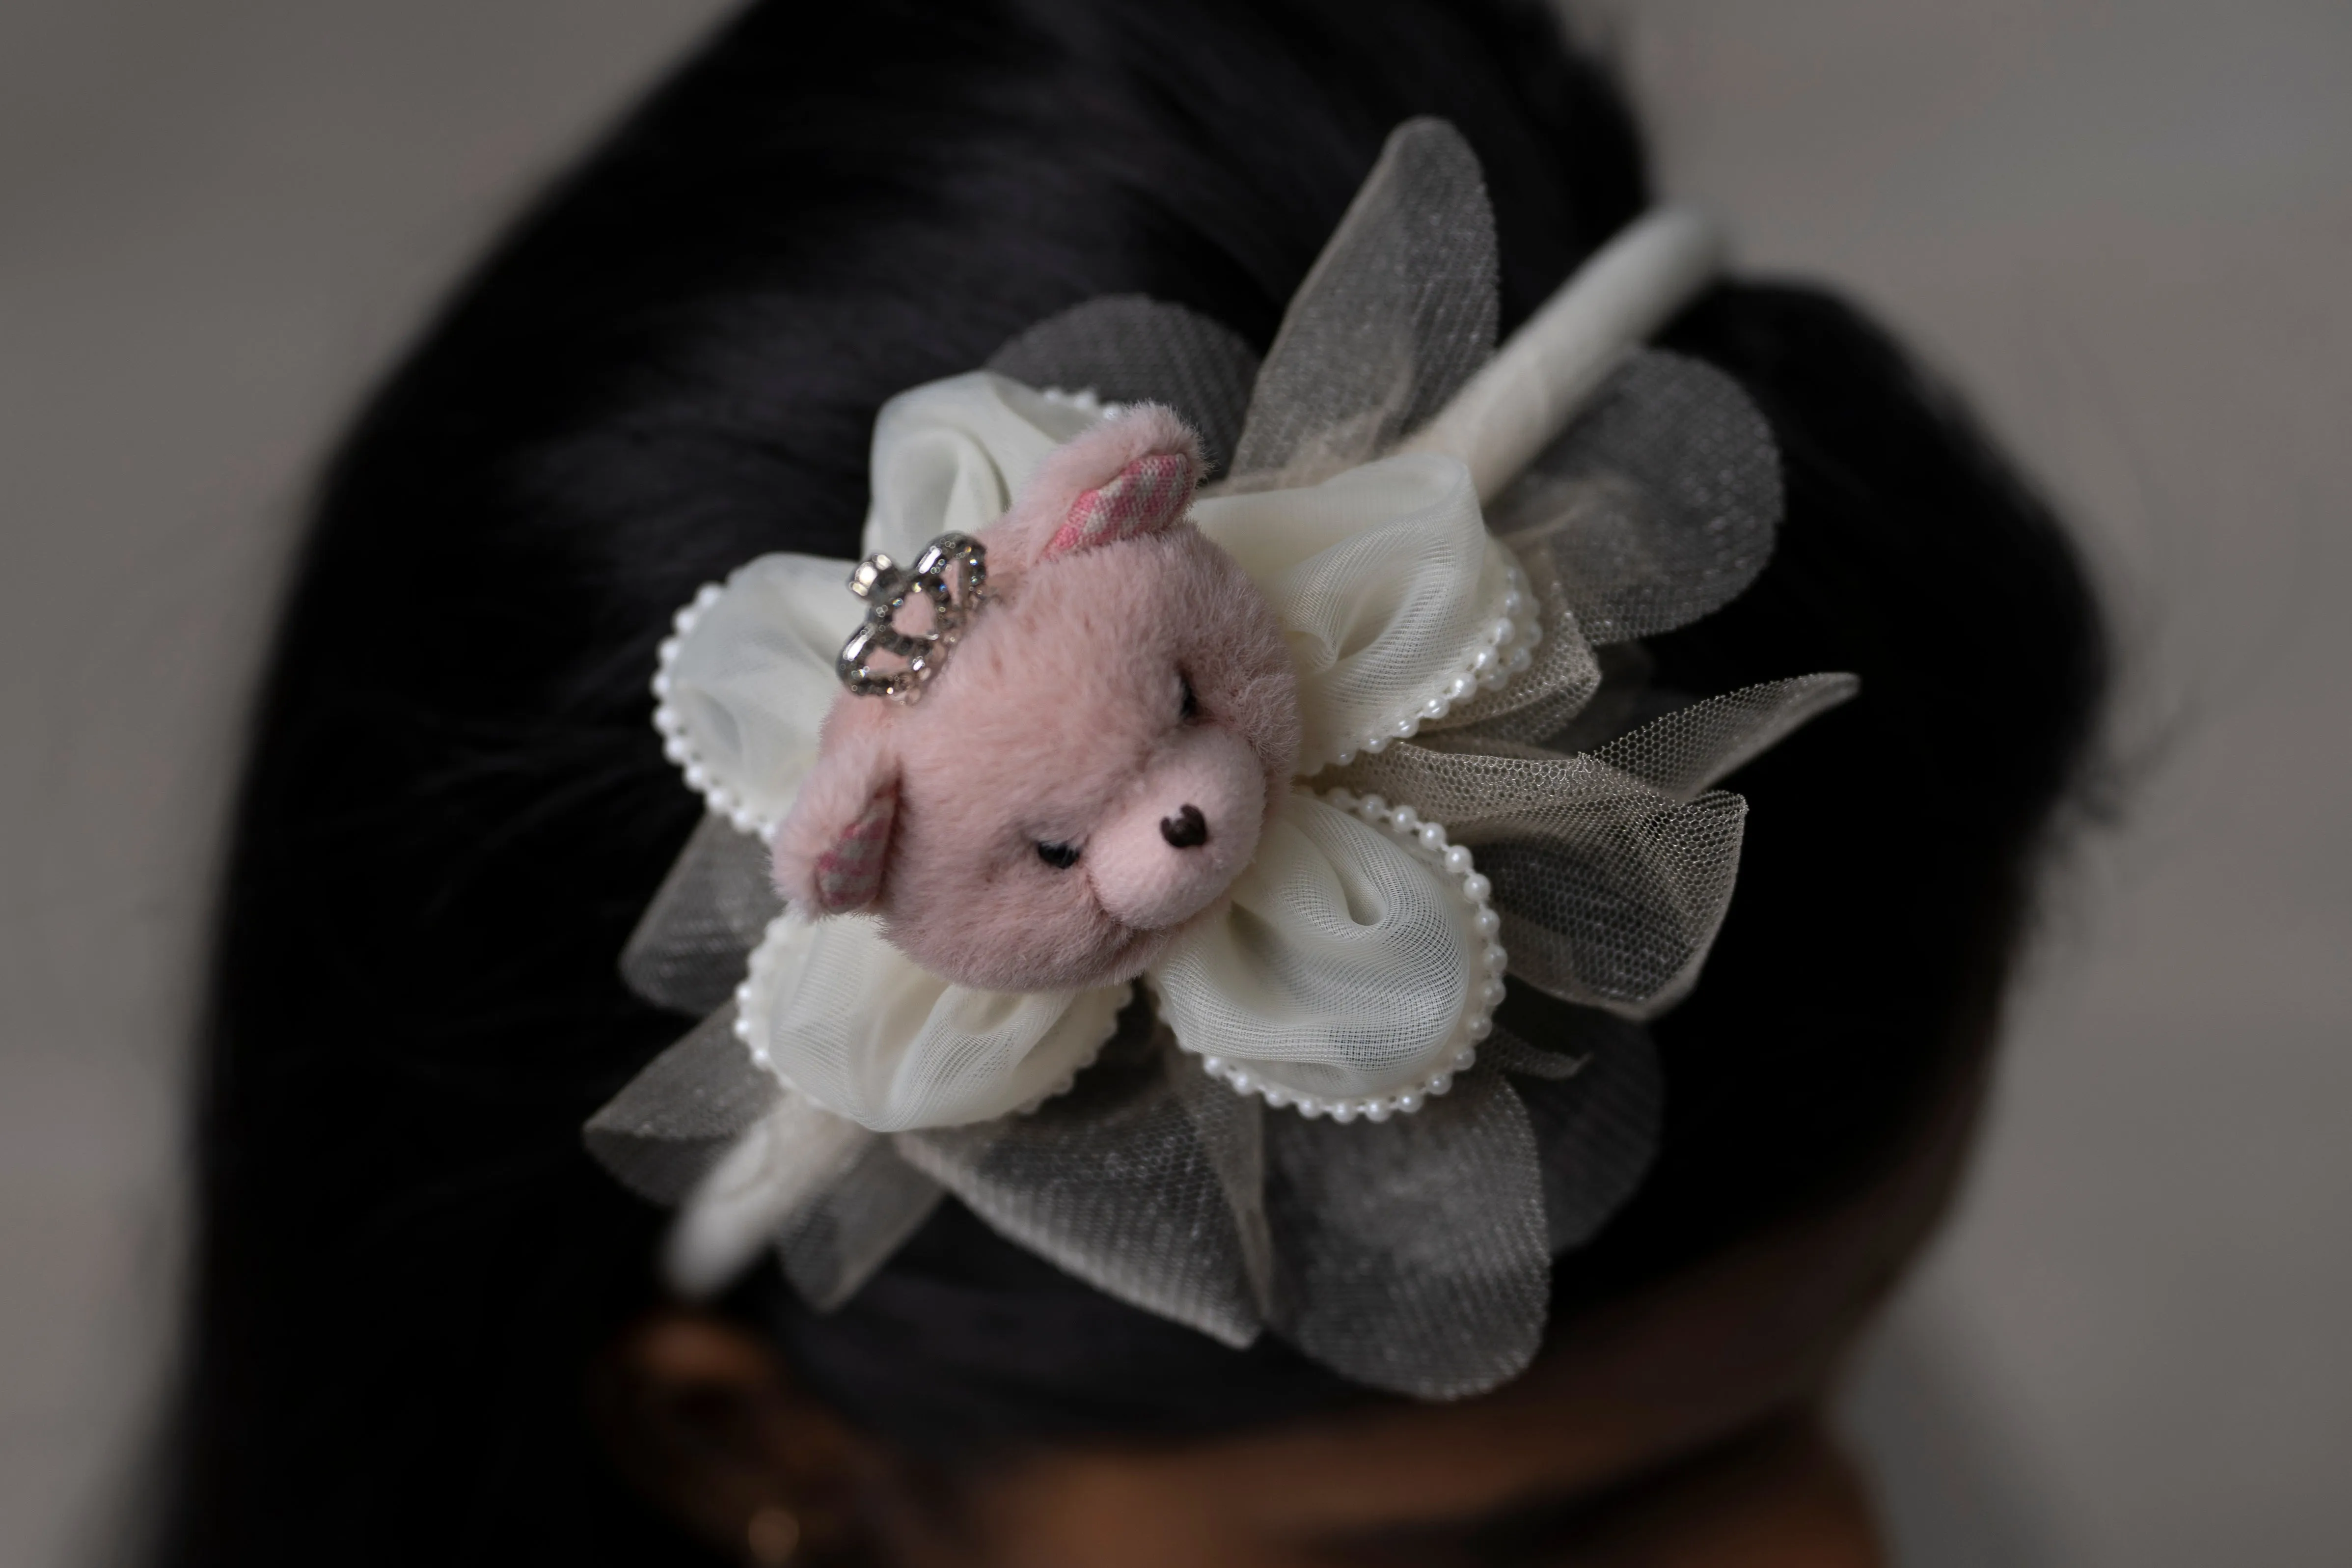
[{"x": 1188, "y": 829}]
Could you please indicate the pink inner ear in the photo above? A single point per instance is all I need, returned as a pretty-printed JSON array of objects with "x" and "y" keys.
[
  {"x": 1149, "y": 494},
  {"x": 850, "y": 875}
]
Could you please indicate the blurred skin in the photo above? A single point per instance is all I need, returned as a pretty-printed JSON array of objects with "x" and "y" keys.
[{"x": 1680, "y": 1425}]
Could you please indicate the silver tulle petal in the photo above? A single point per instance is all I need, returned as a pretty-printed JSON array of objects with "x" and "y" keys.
[
  {"x": 663, "y": 1134},
  {"x": 1126, "y": 348},
  {"x": 1660, "y": 504},
  {"x": 1401, "y": 1278},
  {"x": 1142, "y": 1181},
  {"x": 1611, "y": 893},
  {"x": 687, "y": 952},
  {"x": 1397, "y": 313}
]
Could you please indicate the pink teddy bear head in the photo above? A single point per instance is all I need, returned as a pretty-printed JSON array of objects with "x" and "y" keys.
[{"x": 1093, "y": 767}]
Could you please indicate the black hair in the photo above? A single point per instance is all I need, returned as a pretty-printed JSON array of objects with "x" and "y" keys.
[{"x": 456, "y": 807}]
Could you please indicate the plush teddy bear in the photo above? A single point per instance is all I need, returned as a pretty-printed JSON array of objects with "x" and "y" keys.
[{"x": 1092, "y": 768}]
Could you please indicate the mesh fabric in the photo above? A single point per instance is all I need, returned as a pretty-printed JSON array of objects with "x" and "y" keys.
[
  {"x": 687, "y": 954},
  {"x": 1658, "y": 505},
  {"x": 1397, "y": 313},
  {"x": 1129, "y": 349}
]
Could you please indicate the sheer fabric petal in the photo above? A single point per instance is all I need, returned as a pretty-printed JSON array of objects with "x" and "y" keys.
[
  {"x": 1144, "y": 1182},
  {"x": 1383, "y": 578},
  {"x": 1398, "y": 311},
  {"x": 1611, "y": 892},
  {"x": 689, "y": 947},
  {"x": 870, "y": 1035},
  {"x": 1342, "y": 969},
  {"x": 1126, "y": 348},
  {"x": 1414, "y": 1253},
  {"x": 949, "y": 456},
  {"x": 1659, "y": 504},
  {"x": 751, "y": 678}
]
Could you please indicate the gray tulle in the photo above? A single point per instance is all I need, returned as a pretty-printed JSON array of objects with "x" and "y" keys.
[{"x": 1126, "y": 348}]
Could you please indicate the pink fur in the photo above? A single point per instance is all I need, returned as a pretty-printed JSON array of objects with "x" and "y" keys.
[{"x": 1058, "y": 721}]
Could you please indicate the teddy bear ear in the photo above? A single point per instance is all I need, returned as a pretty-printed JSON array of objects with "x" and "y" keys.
[
  {"x": 1149, "y": 494},
  {"x": 833, "y": 848},
  {"x": 1127, "y": 477}
]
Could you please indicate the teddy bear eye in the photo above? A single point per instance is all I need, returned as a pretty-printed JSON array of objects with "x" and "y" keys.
[
  {"x": 1190, "y": 706},
  {"x": 1061, "y": 857}
]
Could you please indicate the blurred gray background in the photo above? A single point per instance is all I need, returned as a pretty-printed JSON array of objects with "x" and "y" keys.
[{"x": 2124, "y": 228}]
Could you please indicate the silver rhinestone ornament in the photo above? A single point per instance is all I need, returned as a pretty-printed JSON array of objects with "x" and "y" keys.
[{"x": 887, "y": 588}]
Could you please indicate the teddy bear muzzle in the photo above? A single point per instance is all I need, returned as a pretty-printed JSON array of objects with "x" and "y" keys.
[{"x": 1182, "y": 832}]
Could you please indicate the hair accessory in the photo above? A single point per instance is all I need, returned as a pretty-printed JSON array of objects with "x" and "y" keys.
[
  {"x": 1168, "y": 935},
  {"x": 889, "y": 588}
]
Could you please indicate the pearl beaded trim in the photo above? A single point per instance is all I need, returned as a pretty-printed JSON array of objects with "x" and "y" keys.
[
  {"x": 1086, "y": 400},
  {"x": 751, "y": 1000},
  {"x": 675, "y": 746},
  {"x": 1427, "y": 841},
  {"x": 1505, "y": 648}
]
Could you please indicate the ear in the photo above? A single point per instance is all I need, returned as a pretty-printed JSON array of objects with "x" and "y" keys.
[
  {"x": 703, "y": 1417},
  {"x": 833, "y": 848},
  {"x": 1127, "y": 477}
]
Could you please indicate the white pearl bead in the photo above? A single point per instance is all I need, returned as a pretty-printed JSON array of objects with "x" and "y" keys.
[
  {"x": 1433, "y": 708},
  {"x": 668, "y": 650},
  {"x": 1491, "y": 992},
  {"x": 1496, "y": 959},
  {"x": 1457, "y": 860},
  {"x": 1371, "y": 808},
  {"x": 1403, "y": 729},
  {"x": 1431, "y": 836},
  {"x": 1460, "y": 686},
  {"x": 1466, "y": 1058},
  {"x": 1344, "y": 799},
  {"x": 1277, "y": 1098},
  {"x": 1502, "y": 630},
  {"x": 1483, "y": 660},
  {"x": 697, "y": 778},
  {"x": 1475, "y": 887},
  {"x": 743, "y": 994},
  {"x": 1514, "y": 602},
  {"x": 1480, "y": 1029},
  {"x": 1377, "y": 744},
  {"x": 1242, "y": 1082},
  {"x": 1487, "y": 922},
  {"x": 744, "y": 821},
  {"x": 708, "y": 597},
  {"x": 1343, "y": 1110},
  {"x": 1491, "y": 679},
  {"x": 1406, "y": 818},
  {"x": 1408, "y": 1101},
  {"x": 661, "y": 685},
  {"x": 676, "y": 750},
  {"x": 1214, "y": 1066},
  {"x": 1438, "y": 1083},
  {"x": 683, "y": 621},
  {"x": 1531, "y": 633},
  {"x": 1518, "y": 661},
  {"x": 1310, "y": 1107},
  {"x": 1344, "y": 758}
]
